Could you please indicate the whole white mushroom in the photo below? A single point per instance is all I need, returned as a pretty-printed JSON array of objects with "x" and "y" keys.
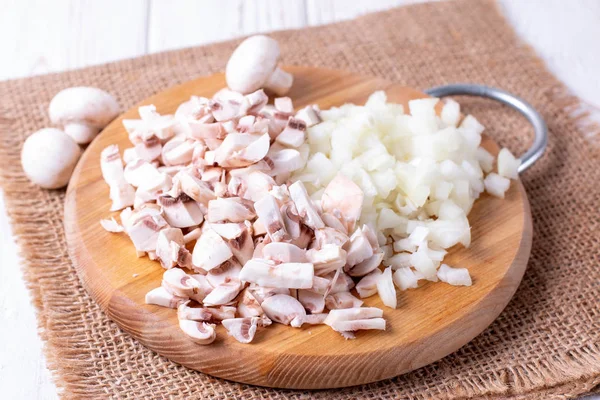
[
  {"x": 83, "y": 111},
  {"x": 49, "y": 157},
  {"x": 253, "y": 65}
]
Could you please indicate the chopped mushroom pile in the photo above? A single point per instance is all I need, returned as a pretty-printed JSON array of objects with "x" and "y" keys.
[{"x": 207, "y": 193}]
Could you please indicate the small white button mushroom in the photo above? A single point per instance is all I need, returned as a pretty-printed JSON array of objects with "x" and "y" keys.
[
  {"x": 83, "y": 111},
  {"x": 49, "y": 157},
  {"x": 253, "y": 65}
]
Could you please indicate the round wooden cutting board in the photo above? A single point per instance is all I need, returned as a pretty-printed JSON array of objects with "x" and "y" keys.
[{"x": 429, "y": 323}]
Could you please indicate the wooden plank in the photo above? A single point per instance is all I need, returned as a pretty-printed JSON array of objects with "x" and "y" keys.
[
  {"x": 326, "y": 11},
  {"x": 23, "y": 373},
  {"x": 56, "y": 35},
  {"x": 190, "y": 23}
]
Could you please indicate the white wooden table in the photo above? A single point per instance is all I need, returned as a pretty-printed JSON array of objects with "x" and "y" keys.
[{"x": 40, "y": 36}]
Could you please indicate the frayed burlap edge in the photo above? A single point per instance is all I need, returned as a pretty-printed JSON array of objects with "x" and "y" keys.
[{"x": 578, "y": 372}]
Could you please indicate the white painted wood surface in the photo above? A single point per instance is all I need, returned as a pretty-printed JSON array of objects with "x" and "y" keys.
[{"x": 40, "y": 36}]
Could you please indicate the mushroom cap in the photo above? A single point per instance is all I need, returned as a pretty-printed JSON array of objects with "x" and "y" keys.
[
  {"x": 90, "y": 105},
  {"x": 252, "y": 63},
  {"x": 49, "y": 157}
]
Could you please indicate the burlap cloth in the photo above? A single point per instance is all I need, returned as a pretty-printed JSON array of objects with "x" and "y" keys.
[{"x": 544, "y": 345}]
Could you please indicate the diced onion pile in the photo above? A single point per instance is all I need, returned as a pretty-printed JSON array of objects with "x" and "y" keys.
[
  {"x": 291, "y": 214},
  {"x": 420, "y": 174}
]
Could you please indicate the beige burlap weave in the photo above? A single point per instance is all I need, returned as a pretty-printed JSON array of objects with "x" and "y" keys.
[{"x": 544, "y": 345}]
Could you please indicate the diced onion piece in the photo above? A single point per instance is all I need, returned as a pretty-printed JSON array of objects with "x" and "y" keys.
[
  {"x": 450, "y": 112},
  {"x": 508, "y": 165},
  {"x": 405, "y": 278},
  {"x": 496, "y": 185},
  {"x": 454, "y": 276},
  {"x": 385, "y": 288}
]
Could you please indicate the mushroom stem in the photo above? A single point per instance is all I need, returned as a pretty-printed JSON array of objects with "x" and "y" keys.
[{"x": 279, "y": 82}]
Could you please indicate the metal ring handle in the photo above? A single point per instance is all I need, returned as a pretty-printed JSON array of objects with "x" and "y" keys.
[{"x": 540, "y": 140}]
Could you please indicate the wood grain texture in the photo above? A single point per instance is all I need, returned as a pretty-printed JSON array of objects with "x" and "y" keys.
[{"x": 430, "y": 322}]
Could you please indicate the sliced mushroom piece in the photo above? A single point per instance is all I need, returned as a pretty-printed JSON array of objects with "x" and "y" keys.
[
  {"x": 291, "y": 219},
  {"x": 274, "y": 120},
  {"x": 228, "y": 271},
  {"x": 111, "y": 225},
  {"x": 294, "y": 133},
  {"x": 342, "y": 300},
  {"x": 161, "y": 297},
  {"x": 327, "y": 259},
  {"x": 331, "y": 221},
  {"x": 170, "y": 170},
  {"x": 306, "y": 209},
  {"x": 359, "y": 248},
  {"x": 284, "y": 253},
  {"x": 315, "y": 319},
  {"x": 287, "y": 275},
  {"x": 284, "y": 104},
  {"x": 222, "y": 312},
  {"x": 251, "y": 186},
  {"x": 231, "y": 209},
  {"x": 204, "y": 287},
  {"x": 184, "y": 311},
  {"x": 181, "y": 255},
  {"x": 248, "y": 305},
  {"x": 366, "y": 266},
  {"x": 229, "y": 231},
  {"x": 198, "y": 332},
  {"x": 367, "y": 286},
  {"x": 242, "y": 329},
  {"x": 305, "y": 238},
  {"x": 122, "y": 194},
  {"x": 208, "y": 132},
  {"x": 285, "y": 161},
  {"x": 256, "y": 100},
  {"x": 352, "y": 314},
  {"x": 139, "y": 171},
  {"x": 195, "y": 108},
  {"x": 156, "y": 184},
  {"x": 212, "y": 174},
  {"x": 181, "y": 212},
  {"x": 176, "y": 281},
  {"x": 246, "y": 124},
  {"x": 178, "y": 151},
  {"x": 223, "y": 293},
  {"x": 344, "y": 199},
  {"x": 371, "y": 237},
  {"x": 310, "y": 115},
  {"x": 210, "y": 251},
  {"x": 284, "y": 309},
  {"x": 321, "y": 285},
  {"x": 259, "y": 228},
  {"x": 242, "y": 149},
  {"x": 144, "y": 231},
  {"x": 163, "y": 246},
  {"x": 268, "y": 211},
  {"x": 261, "y": 293},
  {"x": 242, "y": 246},
  {"x": 197, "y": 189},
  {"x": 359, "y": 324},
  {"x": 341, "y": 283},
  {"x": 330, "y": 236},
  {"x": 261, "y": 166},
  {"x": 149, "y": 149},
  {"x": 312, "y": 301},
  {"x": 192, "y": 235},
  {"x": 224, "y": 109}
]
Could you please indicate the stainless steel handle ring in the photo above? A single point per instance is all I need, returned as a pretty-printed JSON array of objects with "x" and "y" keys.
[{"x": 540, "y": 140}]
